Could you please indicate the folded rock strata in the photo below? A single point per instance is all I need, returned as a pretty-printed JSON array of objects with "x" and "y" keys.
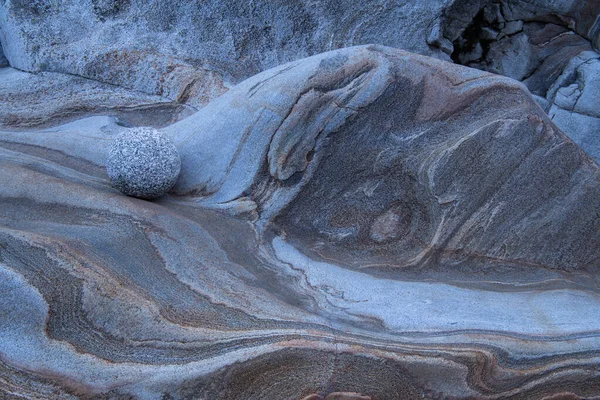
[
  {"x": 364, "y": 223},
  {"x": 49, "y": 98},
  {"x": 191, "y": 52}
]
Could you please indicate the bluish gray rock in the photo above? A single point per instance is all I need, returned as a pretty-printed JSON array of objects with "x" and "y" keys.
[
  {"x": 3, "y": 60},
  {"x": 418, "y": 228},
  {"x": 143, "y": 162},
  {"x": 48, "y": 99}
]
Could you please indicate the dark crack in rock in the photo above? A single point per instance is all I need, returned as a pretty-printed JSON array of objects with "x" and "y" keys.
[
  {"x": 3, "y": 60},
  {"x": 540, "y": 45}
]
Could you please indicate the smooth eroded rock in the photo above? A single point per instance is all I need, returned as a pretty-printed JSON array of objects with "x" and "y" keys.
[{"x": 364, "y": 223}]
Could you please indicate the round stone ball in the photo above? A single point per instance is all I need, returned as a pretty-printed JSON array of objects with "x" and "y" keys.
[{"x": 142, "y": 162}]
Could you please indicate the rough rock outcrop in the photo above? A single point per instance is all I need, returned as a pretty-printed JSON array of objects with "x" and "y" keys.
[
  {"x": 367, "y": 223},
  {"x": 549, "y": 45},
  {"x": 190, "y": 52}
]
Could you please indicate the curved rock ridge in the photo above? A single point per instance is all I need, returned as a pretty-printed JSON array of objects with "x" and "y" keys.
[
  {"x": 190, "y": 52},
  {"x": 397, "y": 157},
  {"x": 404, "y": 228}
]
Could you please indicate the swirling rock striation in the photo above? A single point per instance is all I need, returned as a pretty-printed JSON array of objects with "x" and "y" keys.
[
  {"x": 190, "y": 52},
  {"x": 49, "y": 99},
  {"x": 366, "y": 222}
]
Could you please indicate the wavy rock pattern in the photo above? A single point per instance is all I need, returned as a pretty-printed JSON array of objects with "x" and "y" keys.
[
  {"x": 365, "y": 223},
  {"x": 190, "y": 52},
  {"x": 50, "y": 99}
]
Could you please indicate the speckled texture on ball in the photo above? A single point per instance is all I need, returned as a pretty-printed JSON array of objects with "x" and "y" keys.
[{"x": 142, "y": 162}]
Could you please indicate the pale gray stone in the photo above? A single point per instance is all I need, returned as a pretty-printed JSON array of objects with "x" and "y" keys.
[
  {"x": 567, "y": 96},
  {"x": 583, "y": 129},
  {"x": 588, "y": 76},
  {"x": 143, "y": 162}
]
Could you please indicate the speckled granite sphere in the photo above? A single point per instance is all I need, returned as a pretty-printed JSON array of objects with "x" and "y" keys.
[{"x": 143, "y": 162}]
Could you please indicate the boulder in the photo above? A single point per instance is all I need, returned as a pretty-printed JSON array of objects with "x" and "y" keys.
[{"x": 143, "y": 163}]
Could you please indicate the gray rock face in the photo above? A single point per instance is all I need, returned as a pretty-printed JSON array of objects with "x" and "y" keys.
[
  {"x": 540, "y": 43},
  {"x": 143, "y": 163},
  {"x": 191, "y": 50},
  {"x": 406, "y": 228},
  {"x": 418, "y": 169},
  {"x": 189, "y": 53},
  {"x": 361, "y": 224},
  {"x": 48, "y": 98},
  {"x": 574, "y": 102}
]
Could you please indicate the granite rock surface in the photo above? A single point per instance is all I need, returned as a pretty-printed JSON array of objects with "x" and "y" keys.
[
  {"x": 142, "y": 162},
  {"x": 362, "y": 224}
]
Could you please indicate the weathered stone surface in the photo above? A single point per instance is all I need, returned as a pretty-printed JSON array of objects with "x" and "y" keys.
[
  {"x": 540, "y": 43},
  {"x": 585, "y": 129},
  {"x": 143, "y": 162},
  {"x": 190, "y": 52},
  {"x": 406, "y": 229},
  {"x": 48, "y": 99},
  {"x": 171, "y": 47},
  {"x": 575, "y": 102},
  {"x": 290, "y": 116}
]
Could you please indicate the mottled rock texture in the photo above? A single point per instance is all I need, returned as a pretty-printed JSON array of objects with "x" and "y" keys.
[
  {"x": 143, "y": 162},
  {"x": 362, "y": 224}
]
